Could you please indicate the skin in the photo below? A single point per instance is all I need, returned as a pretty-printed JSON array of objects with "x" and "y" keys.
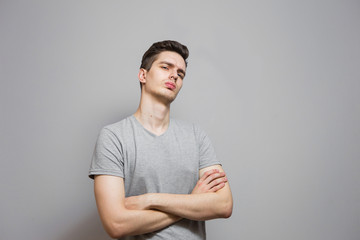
[
  {"x": 154, "y": 108},
  {"x": 211, "y": 197},
  {"x": 201, "y": 204}
]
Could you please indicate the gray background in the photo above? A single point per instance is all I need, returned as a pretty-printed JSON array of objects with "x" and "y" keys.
[{"x": 274, "y": 83}]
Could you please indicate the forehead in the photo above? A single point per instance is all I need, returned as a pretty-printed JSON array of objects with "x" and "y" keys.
[{"x": 173, "y": 58}]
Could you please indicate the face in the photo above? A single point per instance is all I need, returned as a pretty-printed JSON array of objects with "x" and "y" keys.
[{"x": 165, "y": 78}]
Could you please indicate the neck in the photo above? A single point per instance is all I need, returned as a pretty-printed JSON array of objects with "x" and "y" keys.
[{"x": 153, "y": 115}]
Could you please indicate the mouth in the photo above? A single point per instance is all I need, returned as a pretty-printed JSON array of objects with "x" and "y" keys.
[{"x": 170, "y": 85}]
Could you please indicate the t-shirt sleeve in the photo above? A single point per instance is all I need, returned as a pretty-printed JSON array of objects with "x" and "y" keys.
[
  {"x": 107, "y": 158},
  {"x": 206, "y": 150}
]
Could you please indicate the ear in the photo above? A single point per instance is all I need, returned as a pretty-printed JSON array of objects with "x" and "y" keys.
[{"x": 142, "y": 75}]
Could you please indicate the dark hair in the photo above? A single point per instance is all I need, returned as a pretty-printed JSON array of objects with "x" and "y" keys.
[{"x": 168, "y": 45}]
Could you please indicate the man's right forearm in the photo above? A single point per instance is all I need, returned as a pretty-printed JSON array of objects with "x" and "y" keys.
[{"x": 119, "y": 220}]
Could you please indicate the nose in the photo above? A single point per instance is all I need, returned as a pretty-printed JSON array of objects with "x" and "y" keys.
[{"x": 173, "y": 75}]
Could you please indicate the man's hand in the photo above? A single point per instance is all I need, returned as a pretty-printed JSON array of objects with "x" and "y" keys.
[{"x": 211, "y": 181}]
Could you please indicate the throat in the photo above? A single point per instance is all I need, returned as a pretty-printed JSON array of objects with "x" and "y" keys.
[{"x": 157, "y": 125}]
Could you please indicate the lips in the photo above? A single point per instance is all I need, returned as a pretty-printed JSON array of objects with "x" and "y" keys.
[{"x": 170, "y": 85}]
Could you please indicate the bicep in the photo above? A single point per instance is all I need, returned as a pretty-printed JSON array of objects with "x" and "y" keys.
[{"x": 110, "y": 197}]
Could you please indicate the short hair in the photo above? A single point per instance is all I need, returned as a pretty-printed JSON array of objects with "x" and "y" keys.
[{"x": 168, "y": 45}]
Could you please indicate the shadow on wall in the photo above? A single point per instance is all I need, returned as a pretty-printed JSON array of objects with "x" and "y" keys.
[{"x": 89, "y": 228}]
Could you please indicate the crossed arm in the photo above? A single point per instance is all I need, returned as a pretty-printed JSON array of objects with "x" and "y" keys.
[{"x": 211, "y": 198}]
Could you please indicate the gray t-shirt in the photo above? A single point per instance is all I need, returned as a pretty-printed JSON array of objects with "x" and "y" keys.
[{"x": 168, "y": 163}]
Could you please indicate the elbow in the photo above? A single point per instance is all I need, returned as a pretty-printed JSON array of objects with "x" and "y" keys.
[
  {"x": 115, "y": 234},
  {"x": 116, "y": 230},
  {"x": 117, "y": 226},
  {"x": 226, "y": 210}
]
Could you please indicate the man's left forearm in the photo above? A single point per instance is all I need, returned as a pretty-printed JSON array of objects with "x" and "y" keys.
[{"x": 203, "y": 206}]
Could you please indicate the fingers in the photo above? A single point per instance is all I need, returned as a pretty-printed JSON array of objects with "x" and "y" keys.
[
  {"x": 213, "y": 180},
  {"x": 217, "y": 187},
  {"x": 217, "y": 181},
  {"x": 217, "y": 184},
  {"x": 213, "y": 175},
  {"x": 207, "y": 174}
]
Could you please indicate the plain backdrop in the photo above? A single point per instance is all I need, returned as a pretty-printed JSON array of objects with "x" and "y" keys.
[{"x": 276, "y": 85}]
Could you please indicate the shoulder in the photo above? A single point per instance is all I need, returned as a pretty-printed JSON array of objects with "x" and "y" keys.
[
  {"x": 116, "y": 132},
  {"x": 118, "y": 127}
]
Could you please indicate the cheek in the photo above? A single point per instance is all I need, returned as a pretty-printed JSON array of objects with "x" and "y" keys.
[
  {"x": 179, "y": 84},
  {"x": 179, "y": 81}
]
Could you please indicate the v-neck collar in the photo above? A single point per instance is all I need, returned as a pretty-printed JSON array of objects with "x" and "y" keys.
[{"x": 149, "y": 132}]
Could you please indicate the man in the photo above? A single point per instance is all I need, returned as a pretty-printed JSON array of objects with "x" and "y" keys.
[{"x": 157, "y": 177}]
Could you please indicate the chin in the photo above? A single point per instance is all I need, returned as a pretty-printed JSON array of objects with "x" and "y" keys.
[
  {"x": 168, "y": 99},
  {"x": 165, "y": 97}
]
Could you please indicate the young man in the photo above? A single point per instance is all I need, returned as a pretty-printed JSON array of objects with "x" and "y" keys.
[{"x": 157, "y": 177}]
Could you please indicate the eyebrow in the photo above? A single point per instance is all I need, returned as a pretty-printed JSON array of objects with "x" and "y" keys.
[{"x": 172, "y": 65}]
